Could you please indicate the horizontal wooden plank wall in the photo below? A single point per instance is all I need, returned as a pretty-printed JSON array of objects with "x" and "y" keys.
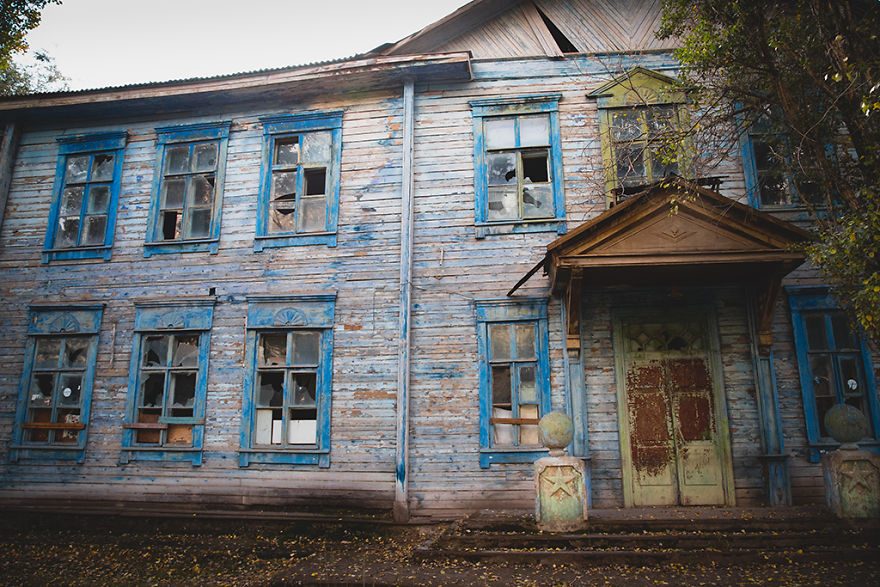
[
  {"x": 451, "y": 268},
  {"x": 363, "y": 411}
]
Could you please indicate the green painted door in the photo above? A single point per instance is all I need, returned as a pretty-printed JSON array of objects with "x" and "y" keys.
[{"x": 670, "y": 430}]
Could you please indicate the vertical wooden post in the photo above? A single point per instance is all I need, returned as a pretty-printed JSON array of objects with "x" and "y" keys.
[
  {"x": 778, "y": 483},
  {"x": 8, "y": 150},
  {"x": 572, "y": 328},
  {"x": 401, "y": 481}
]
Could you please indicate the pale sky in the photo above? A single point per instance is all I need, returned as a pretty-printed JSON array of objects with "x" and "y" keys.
[{"x": 99, "y": 43}]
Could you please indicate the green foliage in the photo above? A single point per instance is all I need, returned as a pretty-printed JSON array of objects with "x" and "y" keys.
[
  {"x": 43, "y": 75},
  {"x": 17, "y": 18},
  {"x": 813, "y": 67}
]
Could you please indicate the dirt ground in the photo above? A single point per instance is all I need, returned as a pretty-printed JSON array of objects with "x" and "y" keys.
[{"x": 103, "y": 550}]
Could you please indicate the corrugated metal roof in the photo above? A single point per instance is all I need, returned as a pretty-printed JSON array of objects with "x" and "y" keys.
[{"x": 185, "y": 80}]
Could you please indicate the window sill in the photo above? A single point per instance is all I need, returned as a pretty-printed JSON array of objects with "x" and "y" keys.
[
  {"x": 484, "y": 229},
  {"x": 47, "y": 452},
  {"x": 488, "y": 456},
  {"x": 294, "y": 240},
  {"x": 209, "y": 245},
  {"x": 817, "y": 448},
  {"x": 314, "y": 456},
  {"x": 192, "y": 455},
  {"x": 100, "y": 253}
]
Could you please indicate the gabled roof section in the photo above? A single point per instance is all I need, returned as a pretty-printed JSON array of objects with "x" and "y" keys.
[
  {"x": 492, "y": 29},
  {"x": 675, "y": 232},
  {"x": 638, "y": 86}
]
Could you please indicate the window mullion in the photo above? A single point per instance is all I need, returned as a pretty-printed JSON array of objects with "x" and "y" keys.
[
  {"x": 514, "y": 401},
  {"x": 297, "y": 202}
]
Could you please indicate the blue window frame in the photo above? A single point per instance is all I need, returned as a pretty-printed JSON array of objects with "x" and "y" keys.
[
  {"x": 82, "y": 219},
  {"x": 187, "y": 198},
  {"x": 834, "y": 363},
  {"x": 299, "y": 180},
  {"x": 514, "y": 379},
  {"x": 55, "y": 394},
  {"x": 518, "y": 165},
  {"x": 767, "y": 163},
  {"x": 288, "y": 380},
  {"x": 168, "y": 381}
]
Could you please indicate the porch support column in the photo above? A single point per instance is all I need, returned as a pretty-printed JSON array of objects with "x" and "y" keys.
[
  {"x": 775, "y": 460},
  {"x": 401, "y": 480},
  {"x": 8, "y": 150},
  {"x": 574, "y": 373}
]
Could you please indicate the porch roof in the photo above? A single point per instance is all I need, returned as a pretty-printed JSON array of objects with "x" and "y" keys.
[{"x": 675, "y": 232}]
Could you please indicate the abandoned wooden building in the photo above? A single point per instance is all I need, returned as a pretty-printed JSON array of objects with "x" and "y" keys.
[{"x": 291, "y": 288}]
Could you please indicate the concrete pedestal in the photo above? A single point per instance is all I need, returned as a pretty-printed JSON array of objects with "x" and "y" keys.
[
  {"x": 852, "y": 483},
  {"x": 561, "y": 504}
]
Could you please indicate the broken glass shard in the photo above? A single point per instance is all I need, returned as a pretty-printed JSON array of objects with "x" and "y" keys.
[
  {"x": 270, "y": 388},
  {"x": 71, "y": 201},
  {"x": 303, "y": 386},
  {"x": 284, "y": 184},
  {"x": 186, "y": 351},
  {"x": 287, "y": 152},
  {"x": 281, "y": 219},
  {"x": 503, "y": 203},
  {"x": 502, "y": 168},
  {"x": 538, "y": 200},
  {"x": 68, "y": 231},
  {"x": 70, "y": 389},
  {"x": 155, "y": 351},
  {"x": 202, "y": 189},
  {"x": 102, "y": 168},
  {"x": 75, "y": 350},
  {"x": 316, "y": 147},
  {"x": 77, "y": 170},
  {"x": 273, "y": 349},
  {"x": 535, "y": 167},
  {"x": 153, "y": 390}
]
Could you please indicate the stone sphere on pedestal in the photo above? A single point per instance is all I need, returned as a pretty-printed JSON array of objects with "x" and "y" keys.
[
  {"x": 556, "y": 431},
  {"x": 846, "y": 424}
]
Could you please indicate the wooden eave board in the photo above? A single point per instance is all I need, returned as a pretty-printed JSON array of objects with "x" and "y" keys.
[{"x": 371, "y": 73}]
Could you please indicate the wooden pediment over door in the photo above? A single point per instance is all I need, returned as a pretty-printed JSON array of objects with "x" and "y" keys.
[{"x": 676, "y": 233}]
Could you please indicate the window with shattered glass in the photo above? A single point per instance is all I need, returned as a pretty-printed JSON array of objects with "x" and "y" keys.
[
  {"x": 85, "y": 200},
  {"x": 513, "y": 365},
  {"x": 167, "y": 388},
  {"x": 286, "y": 389},
  {"x": 518, "y": 165},
  {"x": 55, "y": 390},
  {"x": 188, "y": 191},
  {"x": 299, "y": 188},
  {"x": 642, "y": 143}
]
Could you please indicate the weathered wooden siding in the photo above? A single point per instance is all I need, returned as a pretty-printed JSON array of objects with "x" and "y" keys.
[
  {"x": 592, "y": 26},
  {"x": 363, "y": 414}
]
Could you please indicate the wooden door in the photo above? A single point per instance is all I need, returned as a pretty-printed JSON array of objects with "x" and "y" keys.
[{"x": 670, "y": 430}]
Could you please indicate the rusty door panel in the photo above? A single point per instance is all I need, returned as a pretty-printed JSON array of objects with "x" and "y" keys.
[
  {"x": 651, "y": 438},
  {"x": 673, "y": 433}
]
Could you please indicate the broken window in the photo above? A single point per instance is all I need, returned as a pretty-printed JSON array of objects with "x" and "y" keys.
[
  {"x": 285, "y": 390},
  {"x": 188, "y": 190},
  {"x": 57, "y": 379},
  {"x": 187, "y": 198},
  {"x": 518, "y": 167},
  {"x": 834, "y": 364},
  {"x": 84, "y": 211},
  {"x": 642, "y": 141},
  {"x": 286, "y": 402},
  {"x": 515, "y": 390},
  {"x": 773, "y": 176},
  {"x": 300, "y": 189},
  {"x": 168, "y": 381}
]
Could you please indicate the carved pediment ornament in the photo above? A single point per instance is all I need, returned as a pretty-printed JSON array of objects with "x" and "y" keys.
[
  {"x": 172, "y": 320},
  {"x": 65, "y": 323},
  {"x": 290, "y": 317}
]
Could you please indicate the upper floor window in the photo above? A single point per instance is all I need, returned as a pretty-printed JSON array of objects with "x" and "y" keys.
[
  {"x": 299, "y": 193},
  {"x": 834, "y": 364},
  {"x": 168, "y": 381},
  {"x": 87, "y": 182},
  {"x": 640, "y": 114},
  {"x": 188, "y": 188},
  {"x": 768, "y": 164},
  {"x": 56, "y": 388},
  {"x": 518, "y": 165},
  {"x": 514, "y": 379},
  {"x": 287, "y": 390}
]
